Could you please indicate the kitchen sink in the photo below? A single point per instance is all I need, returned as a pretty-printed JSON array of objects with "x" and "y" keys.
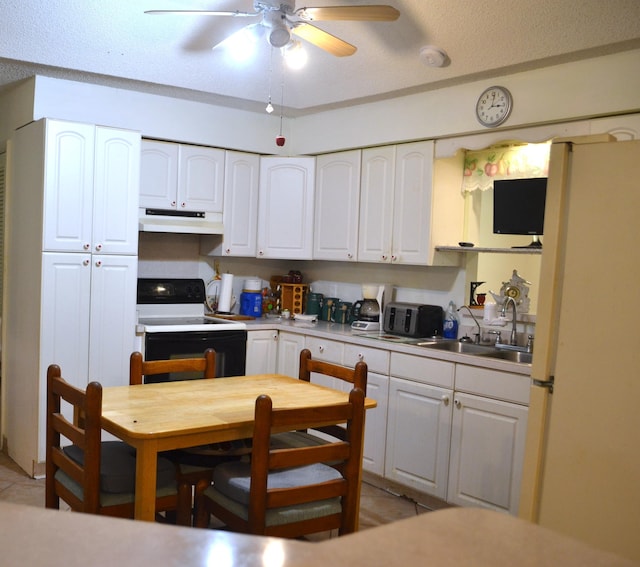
[
  {"x": 458, "y": 347},
  {"x": 512, "y": 356},
  {"x": 477, "y": 350}
]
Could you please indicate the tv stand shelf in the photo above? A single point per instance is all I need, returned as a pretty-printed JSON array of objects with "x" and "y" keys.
[{"x": 526, "y": 250}]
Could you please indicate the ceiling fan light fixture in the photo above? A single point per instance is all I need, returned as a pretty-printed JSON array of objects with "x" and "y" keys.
[
  {"x": 433, "y": 56},
  {"x": 295, "y": 55},
  {"x": 279, "y": 36}
]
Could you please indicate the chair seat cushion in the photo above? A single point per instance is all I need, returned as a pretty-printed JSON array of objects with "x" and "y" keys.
[
  {"x": 233, "y": 479},
  {"x": 279, "y": 516},
  {"x": 118, "y": 467}
]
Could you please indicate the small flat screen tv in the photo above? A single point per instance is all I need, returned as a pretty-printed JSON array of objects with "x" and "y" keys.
[{"x": 518, "y": 207}]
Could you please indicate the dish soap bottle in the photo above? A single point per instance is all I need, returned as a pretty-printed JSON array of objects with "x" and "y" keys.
[{"x": 450, "y": 327}]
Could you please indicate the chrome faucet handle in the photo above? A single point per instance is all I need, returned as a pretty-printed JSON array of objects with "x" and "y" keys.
[
  {"x": 498, "y": 335},
  {"x": 530, "y": 343}
]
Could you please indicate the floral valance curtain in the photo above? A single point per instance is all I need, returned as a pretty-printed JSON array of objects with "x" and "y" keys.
[{"x": 482, "y": 167}]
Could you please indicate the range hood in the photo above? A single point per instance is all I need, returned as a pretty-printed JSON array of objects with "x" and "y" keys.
[{"x": 184, "y": 222}]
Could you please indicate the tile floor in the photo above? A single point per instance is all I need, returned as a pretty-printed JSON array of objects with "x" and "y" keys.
[{"x": 377, "y": 506}]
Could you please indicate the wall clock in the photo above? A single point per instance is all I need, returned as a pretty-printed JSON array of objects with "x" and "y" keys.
[{"x": 493, "y": 106}]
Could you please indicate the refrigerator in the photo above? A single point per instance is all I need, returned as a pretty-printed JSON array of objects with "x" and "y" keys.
[{"x": 582, "y": 457}]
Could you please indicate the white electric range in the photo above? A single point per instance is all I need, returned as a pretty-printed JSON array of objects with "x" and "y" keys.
[{"x": 172, "y": 323}]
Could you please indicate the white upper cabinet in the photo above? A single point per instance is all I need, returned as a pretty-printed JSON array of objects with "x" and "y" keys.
[
  {"x": 395, "y": 204},
  {"x": 240, "y": 212},
  {"x": 376, "y": 204},
  {"x": 181, "y": 177},
  {"x": 115, "y": 198},
  {"x": 91, "y": 178},
  {"x": 412, "y": 203},
  {"x": 285, "y": 208},
  {"x": 337, "y": 204}
]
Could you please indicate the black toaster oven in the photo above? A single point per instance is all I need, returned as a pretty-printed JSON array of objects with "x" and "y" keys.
[{"x": 413, "y": 319}]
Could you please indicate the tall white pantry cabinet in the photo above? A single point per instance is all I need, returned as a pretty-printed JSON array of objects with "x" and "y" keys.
[{"x": 71, "y": 264}]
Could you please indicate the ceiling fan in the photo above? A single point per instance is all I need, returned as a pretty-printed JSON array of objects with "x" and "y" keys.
[{"x": 280, "y": 20}]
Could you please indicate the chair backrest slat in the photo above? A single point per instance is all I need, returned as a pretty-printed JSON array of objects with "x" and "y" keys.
[{"x": 139, "y": 368}]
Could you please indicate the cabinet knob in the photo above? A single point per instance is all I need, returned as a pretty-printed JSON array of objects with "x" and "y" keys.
[
  {"x": 98, "y": 263},
  {"x": 384, "y": 257},
  {"x": 183, "y": 205},
  {"x": 98, "y": 247},
  {"x": 445, "y": 400},
  {"x": 260, "y": 253},
  {"x": 394, "y": 258},
  {"x": 349, "y": 255},
  {"x": 360, "y": 356},
  {"x": 86, "y": 246},
  {"x": 321, "y": 348},
  {"x": 227, "y": 250},
  {"x": 457, "y": 403},
  {"x": 85, "y": 262},
  {"x": 275, "y": 336}
]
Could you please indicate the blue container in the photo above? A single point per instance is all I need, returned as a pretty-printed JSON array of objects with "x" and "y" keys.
[{"x": 251, "y": 303}]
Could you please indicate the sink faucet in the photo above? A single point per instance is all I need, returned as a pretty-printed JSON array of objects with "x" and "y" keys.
[
  {"x": 479, "y": 333},
  {"x": 514, "y": 336}
]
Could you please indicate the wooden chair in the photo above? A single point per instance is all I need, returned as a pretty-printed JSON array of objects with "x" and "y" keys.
[
  {"x": 194, "y": 471},
  {"x": 90, "y": 475},
  {"x": 292, "y": 492},
  {"x": 355, "y": 377}
]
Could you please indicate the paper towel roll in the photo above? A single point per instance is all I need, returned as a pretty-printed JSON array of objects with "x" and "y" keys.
[{"x": 226, "y": 289}]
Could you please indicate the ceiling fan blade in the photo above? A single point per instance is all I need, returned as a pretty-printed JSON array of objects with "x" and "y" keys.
[
  {"x": 369, "y": 13},
  {"x": 201, "y": 13},
  {"x": 249, "y": 33},
  {"x": 324, "y": 40}
]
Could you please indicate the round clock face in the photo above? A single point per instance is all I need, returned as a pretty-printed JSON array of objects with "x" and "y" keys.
[{"x": 493, "y": 106}]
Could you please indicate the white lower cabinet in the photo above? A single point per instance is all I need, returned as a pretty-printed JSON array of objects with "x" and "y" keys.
[
  {"x": 377, "y": 389},
  {"x": 419, "y": 423},
  {"x": 487, "y": 448},
  {"x": 262, "y": 352},
  {"x": 289, "y": 347},
  {"x": 488, "y": 438}
]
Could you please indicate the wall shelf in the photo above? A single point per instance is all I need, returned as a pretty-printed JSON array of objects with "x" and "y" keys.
[{"x": 490, "y": 250}]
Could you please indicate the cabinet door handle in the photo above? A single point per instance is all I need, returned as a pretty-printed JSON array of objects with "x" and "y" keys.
[
  {"x": 98, "y": 247},
  {"x": 457, "y": 403},
  {"x": 173, "y": 203},
  {"x": 183, "y": 205},
  {"x": 227, "y": 251},
  {"x": 85, "y": 262},
  {"x": 321, "y": 348},
  {"x": 260, "y": 253},
  {"x": 394, "y": 258},
  {"x": 384, "y": 257},
  {"x": 86, "y": 246},
  {"x": 349, "y": 255},
  {"x": 360, "y": 356},
  {"x": 275, "y": 336},
  {"x": 98, "y": 263},
  {"x": 445, "y": 400}
]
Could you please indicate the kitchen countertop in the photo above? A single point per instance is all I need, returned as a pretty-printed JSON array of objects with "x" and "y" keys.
[
  {"x": 456, "y": 536},
  {"x": 344, "y": 333}
]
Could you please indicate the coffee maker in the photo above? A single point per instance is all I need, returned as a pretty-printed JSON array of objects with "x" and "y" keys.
[{"x": 367, "y": 313}]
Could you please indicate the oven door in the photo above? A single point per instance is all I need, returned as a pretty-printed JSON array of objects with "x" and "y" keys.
[{"x": 230, "y": 347}]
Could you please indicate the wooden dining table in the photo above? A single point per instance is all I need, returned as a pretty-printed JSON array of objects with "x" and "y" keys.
[{"x": 176, "y": 415}]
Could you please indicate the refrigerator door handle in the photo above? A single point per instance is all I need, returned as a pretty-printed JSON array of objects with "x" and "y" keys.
[{"x": 545, "y": 383}]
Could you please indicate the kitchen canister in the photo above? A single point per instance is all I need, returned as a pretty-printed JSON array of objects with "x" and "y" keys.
[
  {"x": 251, "y": 303},
  {"x": 314, "y": 303},
  {"x": 328, "y": 308},
  {"x": 342, "y": 313}
]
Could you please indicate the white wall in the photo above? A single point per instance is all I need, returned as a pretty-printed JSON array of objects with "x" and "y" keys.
[{"x": 572, "y": 91}]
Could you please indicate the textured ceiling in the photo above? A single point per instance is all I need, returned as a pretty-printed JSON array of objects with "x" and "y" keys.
[{"x": 112, "y": 42}]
